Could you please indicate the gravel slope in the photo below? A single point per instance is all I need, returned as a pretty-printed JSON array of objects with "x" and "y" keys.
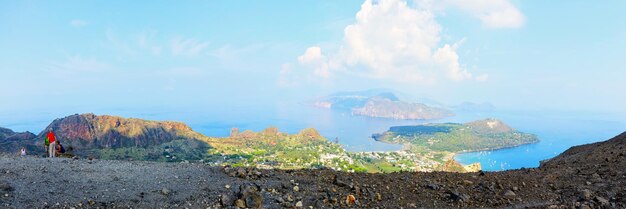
[{"x": 590, "y": 176}]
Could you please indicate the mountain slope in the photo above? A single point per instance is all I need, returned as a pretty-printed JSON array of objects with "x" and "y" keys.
[
  {"x": 88, "y": 131},
  {"x": 12, "y": 142},
  {"x": 599, "y": 153},
  {"x": 118, "y": 138}
]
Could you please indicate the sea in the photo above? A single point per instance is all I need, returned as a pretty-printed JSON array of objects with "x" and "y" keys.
[{"x": 556, "y": 130}]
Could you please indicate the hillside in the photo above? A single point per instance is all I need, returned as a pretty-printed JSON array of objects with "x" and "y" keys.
[
  {"x": 595, "y": 154},
  {"x": 581, "y": 177},
  {"x": 487, "y": 134},
  {"x": 273, "y": 149},
  {"x": 380, "y": 104},
  {"x": 89, "y": 131},
  {"x": 118, "y": 138},
  {"x": 12, "y": 142},
  {"x": 439, "y": 142}
]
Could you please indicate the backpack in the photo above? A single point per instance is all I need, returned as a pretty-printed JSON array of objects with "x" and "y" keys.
[{"x": 47, "y": 142}]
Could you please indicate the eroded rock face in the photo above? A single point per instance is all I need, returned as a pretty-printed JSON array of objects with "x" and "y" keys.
[{"x": 88, "y": 131}]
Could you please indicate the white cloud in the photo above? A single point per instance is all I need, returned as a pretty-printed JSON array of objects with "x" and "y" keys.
[
  {"x": 78, "y": 23},
  {"x": 187, "y": 47},
  {"x": 397, "y": 41},
  {"x": 313, "y": 57},
  {"x": 448, "y": 59},
  {"x": 492, "y": 13},
  {"x": 390, "y": 40}
]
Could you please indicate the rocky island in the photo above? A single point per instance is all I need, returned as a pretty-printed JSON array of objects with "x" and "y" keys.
[
  {"x": 442, "y": 140},
  {"x": 380, "y": 104}
]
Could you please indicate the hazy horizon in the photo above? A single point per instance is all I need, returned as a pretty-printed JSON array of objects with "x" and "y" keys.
[{"x": 75, "y": 57}]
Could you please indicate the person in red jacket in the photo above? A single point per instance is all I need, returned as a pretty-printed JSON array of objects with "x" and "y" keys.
[{"x": 52, "y": 140}]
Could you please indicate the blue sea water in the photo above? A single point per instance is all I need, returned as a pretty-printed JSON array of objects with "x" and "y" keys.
[{"x": 556, "y": 131}]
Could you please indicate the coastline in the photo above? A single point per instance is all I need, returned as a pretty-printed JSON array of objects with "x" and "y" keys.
[
  {"x": 454, "y": 155},
  {"x": 494, "y": 149},
  {"x": 497, "y": 148}
]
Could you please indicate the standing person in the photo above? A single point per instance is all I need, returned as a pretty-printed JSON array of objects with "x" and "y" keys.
[
  {"x": 23, "y": 152},
  {"x": 52, "y": 143}
]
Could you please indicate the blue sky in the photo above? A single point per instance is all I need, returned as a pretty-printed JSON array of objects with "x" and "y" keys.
[{"x": 523, "y": 55}]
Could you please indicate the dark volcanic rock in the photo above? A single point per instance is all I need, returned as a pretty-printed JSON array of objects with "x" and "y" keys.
[
  {"x": 228, "y": 199},
  {"x": 6, "y": 187},
  {"x": 433, "y": 186},
  {"x": 457, "y": 196},
  {"x": 250, "y": 195},
  {"x": 340, "y": 181}
]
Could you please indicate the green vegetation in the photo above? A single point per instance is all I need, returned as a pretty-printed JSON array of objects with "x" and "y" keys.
[
  {"x": 452, "y": 137},
  {"x": 267, "y": 149},
  {"x": 421, "y": 129},
  {"x": 427, "y": 148},
  {"x": 437, "y": 143}
]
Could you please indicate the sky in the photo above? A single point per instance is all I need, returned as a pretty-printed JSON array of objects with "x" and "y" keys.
[{"x": 518, "y": 55}]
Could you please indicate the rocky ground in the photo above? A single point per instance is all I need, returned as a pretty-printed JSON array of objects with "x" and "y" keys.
[{"x": 589, "y": 176}]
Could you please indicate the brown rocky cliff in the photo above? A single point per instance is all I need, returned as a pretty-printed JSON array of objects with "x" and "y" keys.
[{"x": 88, "y": 131}]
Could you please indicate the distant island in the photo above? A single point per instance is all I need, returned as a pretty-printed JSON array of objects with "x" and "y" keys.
[
  {"x": 380, "y": 104},
  {"x": 443, "y": 140},
  {"x": 117, "y": 138}
]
